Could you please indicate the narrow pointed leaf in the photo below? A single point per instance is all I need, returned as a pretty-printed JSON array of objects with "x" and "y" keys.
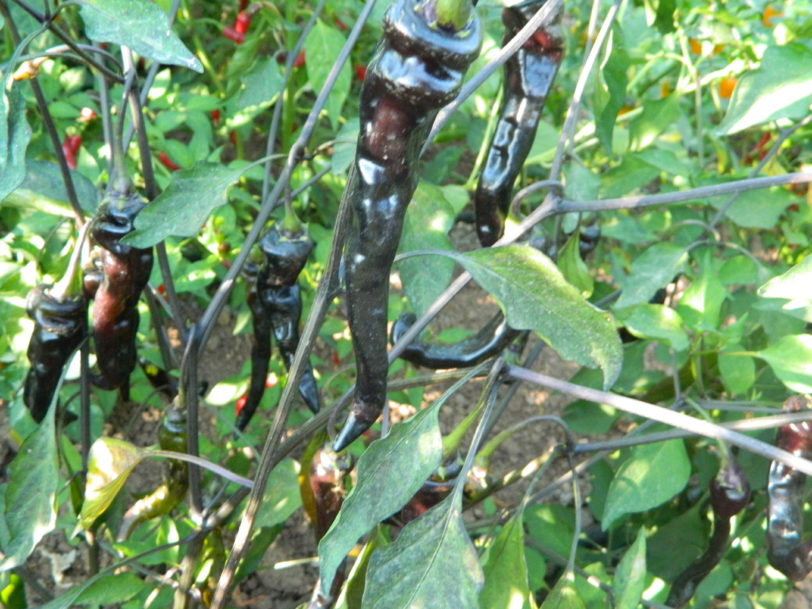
[
  {"x": 535, "y": 296},
  {"x": 390, "y": 472},
  {"x": 652, "y": 475},
  {"x": 630, "y": 576},
  {"x": 564, "y": 595},
  {"x": 791, "y": 360},
  {"x": 110, "y": 462},
  {"x": 31, "y": 493},
  {"x": 573, "y": 267},
  {"x": 505, "y": 569},
  {"x": 15, "y": 133},
  {"x": 184, "y": 206},
  {"x": 139, "y": 24},
  {"x": 432, "y": 564}
]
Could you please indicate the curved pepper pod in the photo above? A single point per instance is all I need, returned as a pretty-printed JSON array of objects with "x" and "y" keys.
[
  {"x": 59, "y": 328},
  {"x": 285, "y": 255},
  {"x": 415, "y": 71},
  {"x": 729, "y": 495},
  {"x": 488, "y": 342},
  {"x": 529, "y": 76},
  {"x": 126, "y": 272},
  {"x": 785, "y": 488}
]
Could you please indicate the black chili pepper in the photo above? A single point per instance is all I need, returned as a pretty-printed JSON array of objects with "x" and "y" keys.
[
  {"x": 729, "y": 495},
  {"x": 488, "y": 342},
  {"x": 171, "y": 436},
  {"x": 60, "y": 324},
  {"x": 275, "y": 301},
  {"x": 529, "y": 75},
  {"x": 785, "y": 488},
  {"x": 126, "y": 272},
  {"x": 416, "y": 70}
]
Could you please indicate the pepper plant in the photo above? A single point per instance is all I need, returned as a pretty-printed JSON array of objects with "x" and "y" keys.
[{"x": 636, "y": 173}]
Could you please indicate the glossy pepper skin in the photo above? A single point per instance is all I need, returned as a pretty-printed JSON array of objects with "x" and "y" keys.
[
  {"x": 126, "y": 272},
  {"x": 416, "y": 70},
  {"x": 785, "y": 488},
  {"x": 275, "y": 301},
  {"x": 729, "y": 495},
  {"x": 529, "y": 75},
  {"x": 495, "y": 336},
  {"x": 59, "y": 328}
]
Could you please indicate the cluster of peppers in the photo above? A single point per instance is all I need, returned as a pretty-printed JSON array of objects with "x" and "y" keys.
[
  {"x": 416, "y": 70},
  {"x": 275, "y": 301}
]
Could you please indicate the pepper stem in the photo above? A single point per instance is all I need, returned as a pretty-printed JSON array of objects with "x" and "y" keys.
[
  {"x": 71, "y": 283},
  {"x": 291, "y": 224},
  {"x": 452, "y": 15}
]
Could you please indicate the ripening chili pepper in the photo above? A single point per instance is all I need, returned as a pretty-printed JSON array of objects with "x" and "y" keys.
[
  {"x": 215, "y": 117},
  {"x": 729, "y": 495},
  {"x": 60, "y": 324},
  {"x": 232, "y": 34},
  {"x": 300, "y": 60},
  {"x": 361, "y": 72},
  {"x": 529, "y": 76},
  {"x": 242, "y": 23},
  {"x": 488, "y": 342},
  {"x": 275, "y": 301},
  {"x": 171, "y": 436},
  {"x": 726, "y": 87},
  {"x": 416, "y": 70},
  {"x": 167, "y": 162},
  {"x": 126, "y": 272},
  {"x": 786, "y": 550},
  {"x": 70, "y": 148}
]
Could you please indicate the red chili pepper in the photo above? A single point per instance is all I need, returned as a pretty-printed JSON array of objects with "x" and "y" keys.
[
  {"x": 300, "y": 60},
  {"x": 361, "y": 72},
  {"x": 70, "y": 148},
  {"x": 167, "y": 162},
  {"x": 240, "y": 403},
  {"x": 340, "y": 24},
  {"x": 242, "y": 23},
  {"x": 232, "y": 34},
  {"x": 86, "y": 115},
  {"x": 215, "y": 117}
]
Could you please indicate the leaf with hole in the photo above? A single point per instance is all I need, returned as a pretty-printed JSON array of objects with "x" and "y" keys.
[
  {"x": 110, "y": 462},
  {"x": 140, "y": 25},
  {"x": 651, "y": 475},
  {"x": 390, "y": 472},
  {"x": 184, "y": 206},
  {"x": 534, "y": 295},
  {"x": 432, "y": 563}
]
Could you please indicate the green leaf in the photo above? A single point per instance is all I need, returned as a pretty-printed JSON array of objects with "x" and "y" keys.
[
  {"x": 658, "y": 322},
  {"x": 738, "y": 371},
  {"x": 44, "y": 190},
  {"x": 793, "y": 288},
  {"x": 184, "y": 206},
  {"x": 701, "y": 303},
  {"x": 282, "y": 496},
  {"x": 344, "y": 146},
  {"x": 573, "y": 268},
  {"x": 650, "y": 271},
  {"x": 110, "y": 462},
  {"x": 390, "y": 472},
  {"x": 321, "y": 47},
  {"x": 757, "y": 208},
  {"x": 117, "y": 588},
  {"x": 791, "y": 360},
  {"x": 30, "y": 499},
  {"x": 564, "y": 595},
  {"x": 580, "y": 183},
  {"x": 651, "y": 475},
  {"x": 15, "y": 133},
  {"x": 610, "y": 91},
  {"x": 505, "y": 569},
  {"x": 428, "y": 219},
  {"x": 630, "y": 575},
  {"x": 780, "y": 87},
  {"x": 260, "y": 87},
  {"x": 432, "y": 563},
  {"x": 657, "y": 116},
  {"x": 139, "y": 24},
  {"x": 632, "y": 173},
  {"x": 535, "y": 296}
]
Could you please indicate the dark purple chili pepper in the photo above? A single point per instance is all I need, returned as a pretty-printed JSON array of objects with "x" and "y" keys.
[
  {"x": 126, "y": 272},
  {"x": 529, "y": 75},
  {"x": 488, "y": 342},
  {"x": 729, "y": 495},
  {"x": 785, "y": 488},
  {"x": 416, "y": 70}
]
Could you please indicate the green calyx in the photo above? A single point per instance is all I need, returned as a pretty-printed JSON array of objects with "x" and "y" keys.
[
  {"x": 452, "y": 15},
  {"x": 291, "y": 224},
  {"x": 70, "y": 285}
]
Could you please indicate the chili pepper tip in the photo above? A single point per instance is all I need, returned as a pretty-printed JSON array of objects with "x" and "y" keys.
[{"x": 353, "y": 428}]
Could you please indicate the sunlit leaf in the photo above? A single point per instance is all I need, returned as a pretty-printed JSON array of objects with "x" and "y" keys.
[
  {"x": 15, "y": 133},
  {"x": 505, "y": 569},
  {"x": 564, "y": 595},
  {"x": 281, "y": 497},
  {"x": 654, "y": 268},
  {"x": 655, "y": 321},
  {"x": 573, "y": 267},
  {"x": 791, "y": 360},
  {"x": 630, "y": 575},
  {"x": 793, "y": 288},
  {"x": 321, "y": 47}
]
